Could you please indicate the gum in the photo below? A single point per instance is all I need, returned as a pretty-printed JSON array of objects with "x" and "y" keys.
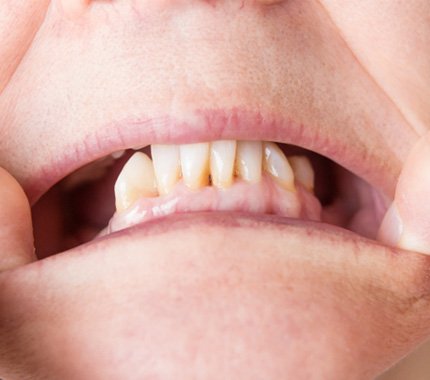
[{"x": 265, "y": 197}]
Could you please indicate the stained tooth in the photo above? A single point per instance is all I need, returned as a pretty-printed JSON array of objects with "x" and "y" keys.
[
  {"x": 167, "y": 166},
  {"x": 222, "y": 157},
  {"x": 135, "y": 181},
  {"x": 195, "y": 164},
  {"x": 303, "y": 171},
  {"x": 278, "y": 166},
  {"x": 249, "y": 157}
]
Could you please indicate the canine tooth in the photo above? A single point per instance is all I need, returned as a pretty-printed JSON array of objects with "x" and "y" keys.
[
  {"x": 167, "y": 166},
  {"x": 277, "y": 165},
  {"x": 249, "y": 158},
  {"x": 135, "y": 181},
  {"x": 303, "y": 171},
  {"x": 195, "y": 164},
  {"x": 222, "y": 157}
]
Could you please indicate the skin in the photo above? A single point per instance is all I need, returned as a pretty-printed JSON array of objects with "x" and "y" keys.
[{"x": 214, "y": 295}]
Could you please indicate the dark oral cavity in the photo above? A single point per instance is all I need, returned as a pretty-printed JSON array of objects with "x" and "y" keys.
[{"x": 82, "y": 206}]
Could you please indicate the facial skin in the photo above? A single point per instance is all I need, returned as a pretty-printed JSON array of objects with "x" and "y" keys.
[{"x": 212, "y": 295}]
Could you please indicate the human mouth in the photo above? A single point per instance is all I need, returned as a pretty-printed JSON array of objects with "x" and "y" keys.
[{"x": 132, "y": 185}]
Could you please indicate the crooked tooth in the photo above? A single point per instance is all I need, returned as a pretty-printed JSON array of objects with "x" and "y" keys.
[
  {"x": 277, "y": 165},
  {"x": 222, "y": 157},
  {"x": 303, "y": 171},
  {"x": 167, "y": 166},
  {"x": 136, "y": 180},
  {"x": 249, "y": 156},
  {"x": 195, "y": 164}
]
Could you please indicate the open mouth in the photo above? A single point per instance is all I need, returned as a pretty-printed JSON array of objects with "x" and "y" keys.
[{"x": 136, "y": 185}]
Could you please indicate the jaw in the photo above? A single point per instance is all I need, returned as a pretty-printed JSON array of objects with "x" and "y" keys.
[{"x": 290, "y": 298}]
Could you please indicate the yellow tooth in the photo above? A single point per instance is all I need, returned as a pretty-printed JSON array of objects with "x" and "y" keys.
[
  {"x": 277, "y": 165},
  {"x": 222, "y": 157},
  {"x": 303, "y": 171},
  {"x": 136, "y": 180},
  {"x": 195, "y": 164},
  {"x": 167, "y": 166},
  {"x": 249, "y": 156}
]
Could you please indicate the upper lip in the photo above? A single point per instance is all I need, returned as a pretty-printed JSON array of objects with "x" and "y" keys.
[{"x": 208, "y": 125}]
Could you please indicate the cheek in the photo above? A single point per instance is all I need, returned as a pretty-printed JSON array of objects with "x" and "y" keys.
[
  {"x": 392, "y": 41},
  {"x": 19, "y": 22}
]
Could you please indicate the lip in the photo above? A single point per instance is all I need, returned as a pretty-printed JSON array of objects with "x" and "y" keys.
[
  {"x": 358, "y": 247},
  {"x": 329, "y": 246},
  {"x": 144, "y": 268},
  {"x": 213, "y": 124}
]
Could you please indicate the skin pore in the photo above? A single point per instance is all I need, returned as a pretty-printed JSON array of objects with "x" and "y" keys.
[{"x": 214, "y": 295}]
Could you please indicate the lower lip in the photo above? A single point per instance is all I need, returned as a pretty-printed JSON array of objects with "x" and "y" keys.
[
  {"x": 212, "y": 240},
  {"x": 228, "y": 221},
  {"x": 280, "y": 269}
]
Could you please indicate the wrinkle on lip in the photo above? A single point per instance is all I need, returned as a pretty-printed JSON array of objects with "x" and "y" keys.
[{"x": 207, "y": 125}]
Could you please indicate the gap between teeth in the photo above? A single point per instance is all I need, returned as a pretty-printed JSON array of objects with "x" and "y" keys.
[{"x": 216, "y": 163}]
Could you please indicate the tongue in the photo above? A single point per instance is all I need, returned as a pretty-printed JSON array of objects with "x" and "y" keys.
[{"x": 265, "y": 197}]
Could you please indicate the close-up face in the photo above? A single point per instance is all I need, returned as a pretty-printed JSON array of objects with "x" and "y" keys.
[{"x": 207, "y": 181}]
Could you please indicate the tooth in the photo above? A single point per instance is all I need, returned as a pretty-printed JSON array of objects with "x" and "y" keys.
[
  {"x": 303, "y": 171},
  {"x": 223, "y": 153},
  {"x": 135, "y": 181},
  {"x": 278, "y": 166},
  {"x": 195, "y": 164},
  {"x": 167, "y": 166},
  {"x": 249, "y": 157},
  {"x": 118, "y": 154}
]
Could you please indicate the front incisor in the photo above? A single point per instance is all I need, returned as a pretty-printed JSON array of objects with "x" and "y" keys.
[
  {"x": 249, "y": 160},
  {"x": 167, "y": 166},
  {"x": 195, "y": 164},
  {"x": 223, "y": 154}
]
